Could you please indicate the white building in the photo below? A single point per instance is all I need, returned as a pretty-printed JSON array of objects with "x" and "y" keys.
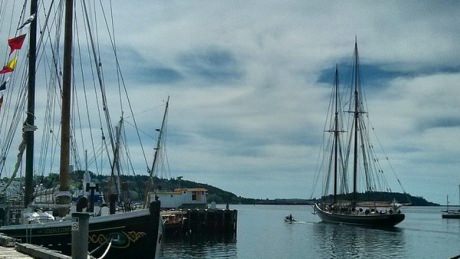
[{"x": 181, "y": 198}]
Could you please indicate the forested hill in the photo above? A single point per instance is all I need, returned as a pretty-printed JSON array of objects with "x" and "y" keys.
[
  {"x": 137, "y": 186},
  {"x": 403, "y": 198}
]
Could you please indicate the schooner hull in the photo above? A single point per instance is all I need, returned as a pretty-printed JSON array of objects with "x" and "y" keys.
[
  {"x": 135, "y": 234},
  {"x": 371, "y": 220}
]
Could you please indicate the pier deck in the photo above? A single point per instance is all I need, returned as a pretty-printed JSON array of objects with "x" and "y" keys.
[
  {"x": 10, "y": 252},
  {"x": 200, "y": 221},
  {"x": 10, "y": 248}
]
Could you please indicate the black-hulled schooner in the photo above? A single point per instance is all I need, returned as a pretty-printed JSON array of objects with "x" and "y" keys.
[
  {"x": 128, "y": 234},
  {"x": 352, "y": 158}
]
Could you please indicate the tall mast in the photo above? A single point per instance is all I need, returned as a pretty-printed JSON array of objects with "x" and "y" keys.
[
  {"x": 115, "y": 171},
  {"x": 28, "y": 130},
  {"x": 356, "y": 122},
  {"x": 160, "y": 136},
  {"x": 66, "y": 99},
  {"x": 336, "y": 130},
  {"x": 157, "y": 150},
  {"x": 447, "y": 203}
]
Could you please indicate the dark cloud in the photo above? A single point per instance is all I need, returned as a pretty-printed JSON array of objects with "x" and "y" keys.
[
  {"x": 440, "y": 122},
  {"x": 377, "y": 75},
  {"x": 158, "y": 75},
  {"x": 211, "y": 65},
  {"x": 371, "y": 75},
  {"x": 136, "y": 68}
]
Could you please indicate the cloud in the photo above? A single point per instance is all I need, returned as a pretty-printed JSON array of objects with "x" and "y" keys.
[
  {"x": 211, "y": 64},
  {"x": 250, "y": 82},
  {"x": 270, "y": 68}
]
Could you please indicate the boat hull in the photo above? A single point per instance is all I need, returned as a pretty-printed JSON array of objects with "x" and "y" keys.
[
  {"x": 135, "y": 234},
  {"x": 372, "y": 220},
  {"x": 451, "y": 215}
]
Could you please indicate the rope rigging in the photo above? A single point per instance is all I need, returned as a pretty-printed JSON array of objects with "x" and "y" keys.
[
  {"x": 91, "y": 126},
  {"x": 370, "y": 176}
]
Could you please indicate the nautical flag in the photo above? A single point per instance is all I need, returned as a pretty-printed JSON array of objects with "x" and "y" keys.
[
  {"x": 10, "y": 66},
  {"x": 29, "y": 20},
  {"x": 16, "y": 42}
]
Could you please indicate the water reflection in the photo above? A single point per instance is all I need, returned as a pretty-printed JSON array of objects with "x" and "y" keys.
[
  {"x": 452, "y": 225},
  {"x": 200, "y": 246},
  {"x": 345, "y": 241}
]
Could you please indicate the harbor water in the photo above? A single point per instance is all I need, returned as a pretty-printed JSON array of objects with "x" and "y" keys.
[{"x": 262, "y": 233}]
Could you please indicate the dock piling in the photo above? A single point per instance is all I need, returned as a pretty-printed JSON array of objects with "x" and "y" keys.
[{"x": 80, "y": 228}]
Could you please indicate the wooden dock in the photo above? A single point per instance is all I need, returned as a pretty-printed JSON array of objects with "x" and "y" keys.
[
  {"x": 10, "y": 252},
  {"x": 10, "y": 248},
  {"x": 200, "y": 221},
  {"x": 30, "y": 251}
]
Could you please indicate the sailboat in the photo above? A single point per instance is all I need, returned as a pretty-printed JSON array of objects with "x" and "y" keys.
[
  {"x": 450, "y": 213},
  {"x": 344, "y": 206},
  {"x": 177, "y": 198},
  {"x": 134, "y": 234}
]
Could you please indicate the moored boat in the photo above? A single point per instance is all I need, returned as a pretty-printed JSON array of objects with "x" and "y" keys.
[
  {"x": 130, "y": 234},
  {"x": 451, "y": 213},
  {"x": 134, "y": 234},
  {"x": 354, "y": 160}
]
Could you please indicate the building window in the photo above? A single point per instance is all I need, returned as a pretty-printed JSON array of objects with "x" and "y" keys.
[{"x": 194, "y": 196}]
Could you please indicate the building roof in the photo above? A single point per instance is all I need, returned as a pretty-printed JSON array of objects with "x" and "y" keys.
[{"x": 190, "y": 190}]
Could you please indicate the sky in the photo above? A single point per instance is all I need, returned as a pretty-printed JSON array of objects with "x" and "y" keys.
[
  {"x": 250, "y": 80},
  {"x": 249, "y": 83}
]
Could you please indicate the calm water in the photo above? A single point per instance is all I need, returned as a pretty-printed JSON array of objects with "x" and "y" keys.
[{"x": 262, "y": 233}]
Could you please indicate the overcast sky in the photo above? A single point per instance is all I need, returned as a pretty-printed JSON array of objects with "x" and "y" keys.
[{"x": 250, "y": 81}]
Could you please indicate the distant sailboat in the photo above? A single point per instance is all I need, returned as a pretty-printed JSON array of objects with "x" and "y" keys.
[
  {"x": 452, "y": 214},
  {"x": 344, "y": 206}
]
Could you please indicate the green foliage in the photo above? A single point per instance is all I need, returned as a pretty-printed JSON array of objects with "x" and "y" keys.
[{"x": 403, "y": 198}]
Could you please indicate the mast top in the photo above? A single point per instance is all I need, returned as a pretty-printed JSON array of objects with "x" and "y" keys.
[{"x": 356, "y": 47}]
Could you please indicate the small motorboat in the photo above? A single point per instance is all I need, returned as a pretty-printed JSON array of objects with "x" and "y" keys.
[{"x": 289, "y": 219}]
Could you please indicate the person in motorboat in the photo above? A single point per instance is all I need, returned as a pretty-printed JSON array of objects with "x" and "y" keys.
[{"x": 289, "y": 218}]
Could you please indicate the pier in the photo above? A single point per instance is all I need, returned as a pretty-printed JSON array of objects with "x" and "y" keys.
[
  {"x": 20, "y": 251},
  {"x": 10, "y": 248},
  {"x": 200, "y": 222},
  {"x": 10, "y": 252}
]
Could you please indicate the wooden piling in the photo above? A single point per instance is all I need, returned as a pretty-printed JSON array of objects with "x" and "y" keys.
[{"x": 203, "y": 222}]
